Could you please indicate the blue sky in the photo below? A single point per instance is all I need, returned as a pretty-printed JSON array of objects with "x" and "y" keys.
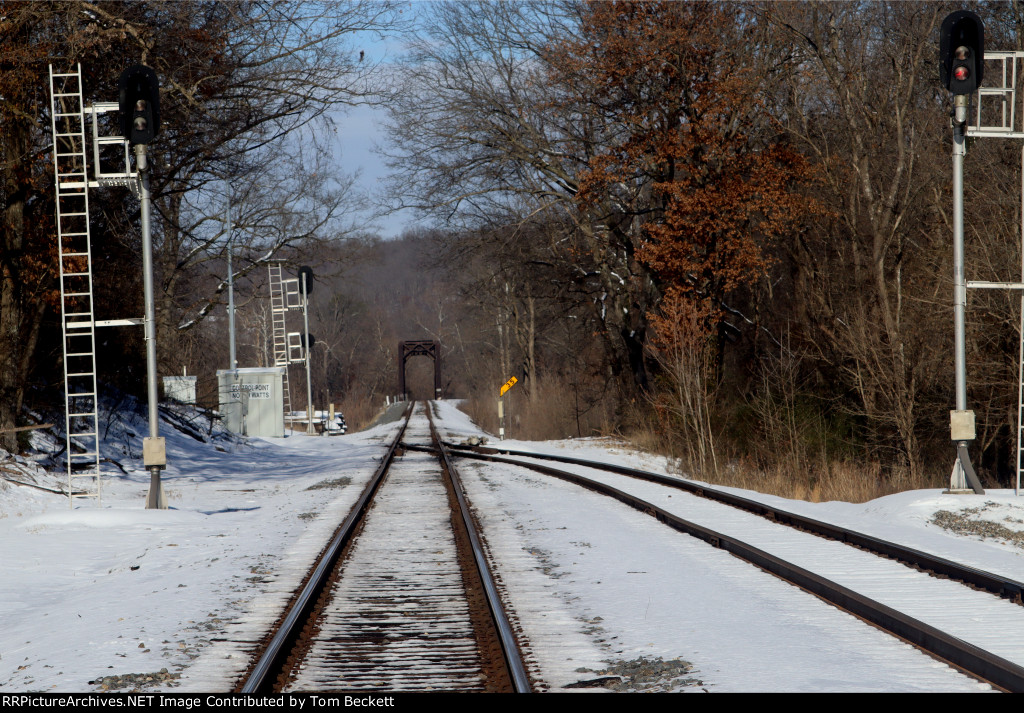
[{"x": 360, "y": 129}]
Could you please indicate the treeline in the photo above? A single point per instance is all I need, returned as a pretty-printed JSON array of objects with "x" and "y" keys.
[
  {"x": 726, "y": 224},
  {"x": 245, "y": 90},
  {"x": 720, "y": 229}
]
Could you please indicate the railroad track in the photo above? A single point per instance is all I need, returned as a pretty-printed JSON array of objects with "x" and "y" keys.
[
  {"x": 1001, "y": 666},
  {"x": 401, "y": 600}
]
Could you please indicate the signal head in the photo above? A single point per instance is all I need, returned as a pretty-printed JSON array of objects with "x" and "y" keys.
[
  {"x": 962, "y": 52},
  {"x": 139, "y": 103}
]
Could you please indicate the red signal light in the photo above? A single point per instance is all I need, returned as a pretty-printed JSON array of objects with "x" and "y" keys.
[{"x": 962, "y": 52}]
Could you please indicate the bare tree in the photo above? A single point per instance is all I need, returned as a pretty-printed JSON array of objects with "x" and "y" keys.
[
  {"x": 251, "y": 124},
  {"x": 484, "y": 139},
  {"x": 862, "y": 102},
  {"x": 244, "y": 88}
]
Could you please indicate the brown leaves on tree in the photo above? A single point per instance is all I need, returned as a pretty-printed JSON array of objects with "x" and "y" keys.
[{"x": 681, "y": 103}]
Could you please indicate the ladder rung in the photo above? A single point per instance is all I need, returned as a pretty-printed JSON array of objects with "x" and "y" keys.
[
  {"x": 82, "y": 373},
  {"x": 82, "y": 395}
]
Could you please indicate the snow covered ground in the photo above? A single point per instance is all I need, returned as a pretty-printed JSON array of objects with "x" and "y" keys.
[{"x": 117, "y": 597}]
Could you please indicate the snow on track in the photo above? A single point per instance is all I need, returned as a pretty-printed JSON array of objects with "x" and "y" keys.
[{"x": 643, "y": 590}]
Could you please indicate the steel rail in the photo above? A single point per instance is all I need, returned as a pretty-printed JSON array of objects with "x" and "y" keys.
[
  {"x": 509, "y": 646},
  {"x": 967, "y": 657},
  {"x": 262, "y": 676},
  {"x": 999, "y": 585}
]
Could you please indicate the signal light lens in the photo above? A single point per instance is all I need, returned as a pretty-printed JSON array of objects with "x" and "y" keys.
[
  {"x": 960, "y": 74},
  {"x": 962, "y": 52}
]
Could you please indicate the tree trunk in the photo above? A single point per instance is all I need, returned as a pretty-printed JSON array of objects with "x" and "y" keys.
[{"x": 12, "y": 346}]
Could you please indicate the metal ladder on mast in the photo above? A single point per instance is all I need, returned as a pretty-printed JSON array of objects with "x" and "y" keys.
[
  {"x": 74, "y": 248},
  {"x": 278, "y": 310}
]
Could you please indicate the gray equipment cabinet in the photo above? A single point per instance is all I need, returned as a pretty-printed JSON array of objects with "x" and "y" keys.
[{"x": 252, "y": 400}]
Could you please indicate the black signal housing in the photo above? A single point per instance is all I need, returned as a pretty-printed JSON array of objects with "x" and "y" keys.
[
  {"x": 962, "y": 52},
  {"x": 139, "y": 102}
]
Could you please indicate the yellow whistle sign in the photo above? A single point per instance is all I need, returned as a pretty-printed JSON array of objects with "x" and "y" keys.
[{"x": 508, "y": 385}]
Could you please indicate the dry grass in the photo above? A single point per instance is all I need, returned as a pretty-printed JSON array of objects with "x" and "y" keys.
[
  {"x": 482, "y": 411},
  {"x": 843, "y": 481},
  {"x": 556, "y": 410},
  {"x": 817, "y": 478},
  {"x": 359, "y": 413}
]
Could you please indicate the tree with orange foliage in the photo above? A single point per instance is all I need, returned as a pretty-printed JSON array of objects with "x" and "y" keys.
[
  {"x": 689, "y": 165},
  {"x": 684, "y": 355}
]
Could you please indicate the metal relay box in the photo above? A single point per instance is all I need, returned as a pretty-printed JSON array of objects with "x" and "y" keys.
[{"x": 252, "y": 400}]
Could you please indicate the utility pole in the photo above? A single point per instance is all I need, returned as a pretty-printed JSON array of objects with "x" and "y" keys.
[
  {"x": 232, "y": 361},
  {"x": 306, "y": 283}
]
